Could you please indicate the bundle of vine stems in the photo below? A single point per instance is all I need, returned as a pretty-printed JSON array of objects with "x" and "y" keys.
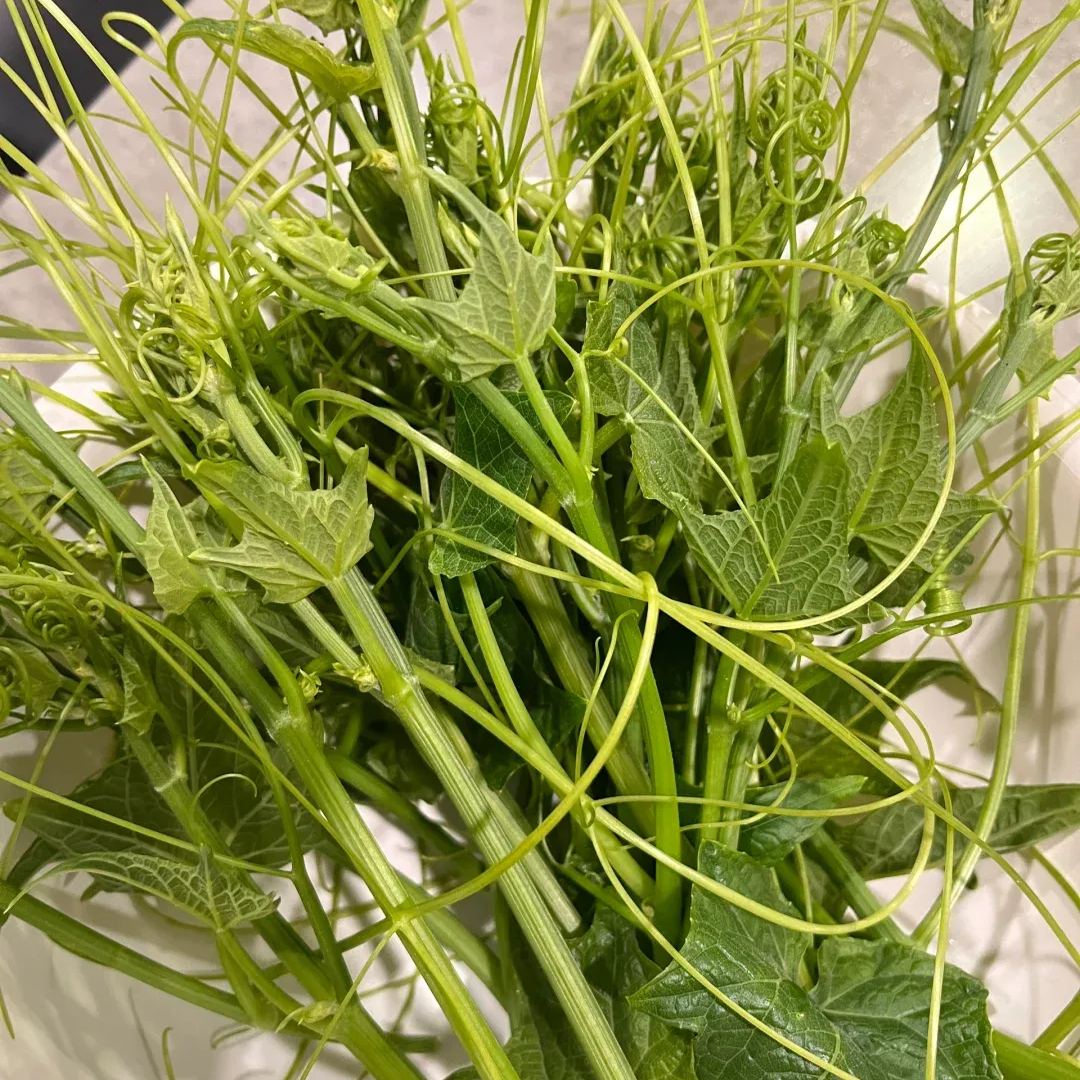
[{"x": 541, "y": 485}]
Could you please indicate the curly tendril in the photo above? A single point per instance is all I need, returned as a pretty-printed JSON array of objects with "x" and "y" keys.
[
  {"x": 52, "y": 620},
  {"x": 1052, "y": 265},
  {"x": 882, "y": 240}
]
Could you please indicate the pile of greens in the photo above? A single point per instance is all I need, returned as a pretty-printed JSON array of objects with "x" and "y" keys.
[{"x": 497, "y": 469}]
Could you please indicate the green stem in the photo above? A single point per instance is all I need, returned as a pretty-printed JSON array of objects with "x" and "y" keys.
[
  {"x": 1019, "y": 1061},
  {"x": 295, "y": 733},
  {"x": 852, "y": 885},
  {"x": 392, "y": 66},
  {"x": 573, "y": 665},
  {"x": 84, "y": 942},
  {"x": 719, "y": 736},
  {"x": 1062, "y": 1026},
  {"x": 495, "y": 835},
  {"x": 1010, "y": 702},
  {"x": 388, "y": 800},
  {"x": 292, "y": 729}
]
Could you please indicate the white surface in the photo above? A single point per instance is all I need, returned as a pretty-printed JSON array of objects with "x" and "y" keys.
[{"x": 78, "y": 1022}]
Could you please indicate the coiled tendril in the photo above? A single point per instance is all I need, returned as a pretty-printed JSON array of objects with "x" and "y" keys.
[
  {"x": 814, "y": 125},
  {"x": 1052, "y": 265},
  {"x": 52, "y": 620}
]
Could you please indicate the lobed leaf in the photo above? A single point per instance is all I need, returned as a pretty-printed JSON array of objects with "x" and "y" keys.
[{"x": 796, "y": 565}]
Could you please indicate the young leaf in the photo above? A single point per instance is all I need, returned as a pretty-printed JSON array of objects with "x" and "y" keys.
[
  {"x": 949, "y": 37},
  {"x": 170, "y": 540},
  {"x": 27, "y": 675},
  {"x": 649, "y": 397},
  {"x": 757, "y": 965},
  {"x": 504, "y": 312},
  {"x": 337, "y": 79},
  {"x": 886, "y": 841},
  {"x": 319, "y": 255},
  {"x": 215, "y": 895},
  {"x": 775, "y": 836},
  {"x": 327, "y": 15},
  {"x": 894, "y": 457},
  {"x": 25, "y": 484},
  {"x": 802, "y": 523},
  {"x": 294, "y": 541},
  {"x": 140, "y": 697},
  {"x": 878, "y": 994},
  {"x": 482, "y": 441}
]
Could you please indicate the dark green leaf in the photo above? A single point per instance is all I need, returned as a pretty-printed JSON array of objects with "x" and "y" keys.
[
  {"x": 878, "y": 994},
  {"x": 886, "y": 841},
  {"x": 754, "y": 963},
  {"x": 483, "y": 442},
  {"x": 337, "y": 79},
  {"x": 557, "y": 715},
  {"x": 868, "y": 1013},
  {"x": 800, "y": 524},
  {"x": 776, "y": 836}
]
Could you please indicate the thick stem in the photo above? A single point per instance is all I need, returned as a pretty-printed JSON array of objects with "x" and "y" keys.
[
  {"x": 431, "y": 735},
  {"x": 392, "y": 66},
  {"x": 295, "y": 733}
]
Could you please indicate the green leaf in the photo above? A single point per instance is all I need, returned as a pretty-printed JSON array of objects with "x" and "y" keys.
[
  {"x": 886, "y": 841},
  {"x": 234, "y": 796},
  {"x": 483, "y": 442},
  {"x": 822, "y": 754},
  {"x": 894, "y": 456},
  {"x": 27, "y": 675},
  {"x": 757, "y": 965},
  {"x": 140, "y": 697},
  {"x": 504, "y": 312},
  {"x": 649, "y": 397},
  {"x": 294, "y": 541},
  {"x": 318, "y": 255},
  {"x": 949, "y": 37},
  {"x": 802, "y": 524},
  {"x": 337, "y": 79},
  {"x": 542, "y": 1045},
  {"x": 893, "y": 452},
  {"x": 25, "y": 485},
  {"x": 557, "y": 715},
  {"x": 327, "y": 15},
  {"x": 773, "y": 838},
  {"x": 170, "y": 540},
  {"x": 878, "y": 994},
  {"x": 216, "y": 895},
  {"x": 868, "y": 1013}
]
